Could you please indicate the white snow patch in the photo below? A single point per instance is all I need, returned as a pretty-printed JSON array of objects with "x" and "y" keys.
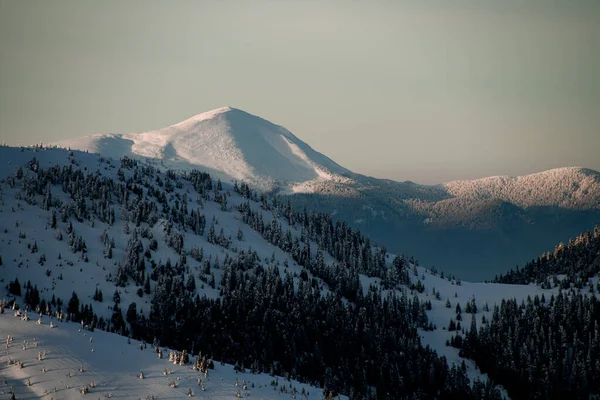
[{"x": 114, "y": 366}]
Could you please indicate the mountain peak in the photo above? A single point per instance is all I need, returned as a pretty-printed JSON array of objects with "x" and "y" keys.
[
  {"x": 230, "y": 144},
  {"x": 207, "y": 115}
]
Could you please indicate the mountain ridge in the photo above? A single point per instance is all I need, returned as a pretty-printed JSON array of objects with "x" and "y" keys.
[
  {"x": 156, "y": 145},
  {"x": 581, "y": 183}
]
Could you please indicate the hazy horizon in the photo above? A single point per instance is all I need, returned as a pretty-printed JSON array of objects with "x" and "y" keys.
[{"x": 428, "y": 92}]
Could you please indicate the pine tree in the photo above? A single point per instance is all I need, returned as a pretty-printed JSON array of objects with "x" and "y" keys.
[
  {"x": 98, "y": 295},
  {"x": 15, "y": 287},
  {"x": 191, "y": 284},
  {"x": 147, "y": 285},
  {"x": 73, "y": 307},
  {"x": 131, "y": 313}
]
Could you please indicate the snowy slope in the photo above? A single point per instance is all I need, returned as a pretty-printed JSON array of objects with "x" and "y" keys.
[
  {"x": 31, "y": 251},
  {"x": 228, "y": 143},
  {"x": 114, "y": 366},
  {"x": 24, "y": 225},
  {"x": 57, "y": 271},
  {"x": 62, "y": 271},
  {"x": 489, "y": 294},
  {"x": 486, "y": 296}
]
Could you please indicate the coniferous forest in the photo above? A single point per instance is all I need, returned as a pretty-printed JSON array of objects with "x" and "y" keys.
[
  {"x": 540, "y": 349},
  {"x": 574, "y": 263},
  {"x": 320, "y": 326},
  {"x": 545, "y": 348},
  {"x": 348, "y": 319}
]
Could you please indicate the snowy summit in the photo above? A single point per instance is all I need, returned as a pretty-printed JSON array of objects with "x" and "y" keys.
[{"x": 230, "y": 144}]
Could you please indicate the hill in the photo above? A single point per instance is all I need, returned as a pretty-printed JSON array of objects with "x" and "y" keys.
[
  {"x": 190, "y": 263},
  {"x": 575, "y": 263}
]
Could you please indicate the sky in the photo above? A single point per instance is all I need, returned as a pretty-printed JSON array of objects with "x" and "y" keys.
[{"x": 428, "y": 91}]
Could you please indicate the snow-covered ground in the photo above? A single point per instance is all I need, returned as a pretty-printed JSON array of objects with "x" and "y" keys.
[{"x": 114, "y": 366}]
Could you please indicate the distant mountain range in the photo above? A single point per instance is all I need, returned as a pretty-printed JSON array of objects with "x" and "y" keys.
[{"x": 474, "y": 229}]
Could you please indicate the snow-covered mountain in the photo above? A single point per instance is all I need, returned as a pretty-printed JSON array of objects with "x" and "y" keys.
[
  {"x": 508, "y": 219},
  {"x": 570, "y": 187},
  {"x": 229, "y": 144},
  {"x": 183, "y": 262}
]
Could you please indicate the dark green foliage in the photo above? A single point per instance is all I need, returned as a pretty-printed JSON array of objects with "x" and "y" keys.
[
  {"x": 131, "y": 313},
  {"x": 147, "y": 285},
  {"x": 304, "y": 333},
  {"x": 32, "y": 296},
  {"x": 578, "y": 260},
  {"x": 554, "y": 353},
  {"x": 14, "y": 287},
  {"x": 117, "y": 321},
  {"x": 98, "y": 296},
  {"x": 73, "y": 307}
]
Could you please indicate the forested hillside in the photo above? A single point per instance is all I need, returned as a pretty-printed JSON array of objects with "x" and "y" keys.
[
  {"x": 179, "y": 260},
  {"x": 542, "y": 347},
  {"x": 568, "y": 264}
]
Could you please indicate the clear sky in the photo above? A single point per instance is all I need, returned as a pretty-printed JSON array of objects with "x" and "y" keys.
[{"x": 428, "y": 91}]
